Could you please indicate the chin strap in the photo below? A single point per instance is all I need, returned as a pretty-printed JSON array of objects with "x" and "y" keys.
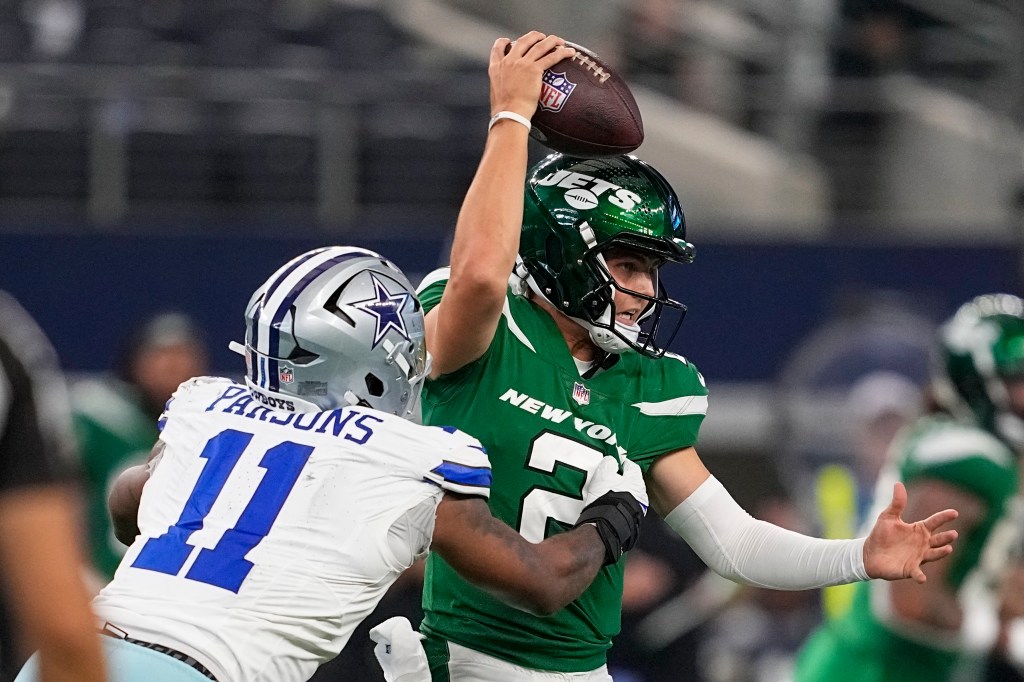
[
  {"x": 522, "y": 281},
  {"x": 602, "y": 363},
  {"x": 605, "y": 338}
]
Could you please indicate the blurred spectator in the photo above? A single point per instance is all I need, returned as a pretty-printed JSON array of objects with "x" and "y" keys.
[
  {"x": 846, "y": 388},
  {"x": 116, "y": 417},
  {"x": 40, "y": 556},
  {"x": 879, "y": 405},
  {"x": 651, "y": 49},
  {"x": 875, "y": 37}
]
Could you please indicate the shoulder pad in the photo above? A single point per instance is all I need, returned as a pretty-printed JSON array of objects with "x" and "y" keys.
[{"x": 464, "y": 467}]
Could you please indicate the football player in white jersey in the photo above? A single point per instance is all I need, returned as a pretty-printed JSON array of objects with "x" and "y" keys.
[{"x": 272, "y": 516}]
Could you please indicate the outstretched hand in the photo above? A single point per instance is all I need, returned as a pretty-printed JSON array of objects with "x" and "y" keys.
[{"x": 896, "y": 549}]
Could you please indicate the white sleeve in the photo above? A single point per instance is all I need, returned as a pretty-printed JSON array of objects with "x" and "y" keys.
[{"x": 739, "y": 547}]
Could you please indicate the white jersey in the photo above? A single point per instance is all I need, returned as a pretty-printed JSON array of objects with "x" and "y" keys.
[{"x": 267, "y": 536}]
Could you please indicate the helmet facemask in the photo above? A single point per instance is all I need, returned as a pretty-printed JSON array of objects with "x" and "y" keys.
[{"x": 648, "y": 334}]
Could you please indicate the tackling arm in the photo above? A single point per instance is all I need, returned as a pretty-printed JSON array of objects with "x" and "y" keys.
[
  {"x": 542, "y": 578},
  {"x": 126, "y": 494},
  {"x": 539, "y": 578}
]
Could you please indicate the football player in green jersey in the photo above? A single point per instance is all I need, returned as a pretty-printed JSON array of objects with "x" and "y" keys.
[
  {"x": 548, "y": 334},
  {"x": 963, "y": 452}
]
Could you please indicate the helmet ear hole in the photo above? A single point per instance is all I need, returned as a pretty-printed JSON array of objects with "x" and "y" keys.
[
  {"x": 374, "y": 385},
  {"x": 595, "y": 306}
]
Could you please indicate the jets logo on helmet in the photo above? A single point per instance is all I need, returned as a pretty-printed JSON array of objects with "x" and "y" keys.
[
  {"x": 584, "y": 190},
  {"x": 981, "y": 348},
  {"x": 386, "y": 308}
]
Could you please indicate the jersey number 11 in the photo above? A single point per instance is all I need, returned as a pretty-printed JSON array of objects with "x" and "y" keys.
[{"x": 225, "y": 565}]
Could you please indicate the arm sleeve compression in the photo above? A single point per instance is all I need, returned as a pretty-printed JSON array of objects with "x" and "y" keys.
[{"x": 746, "y": 550}]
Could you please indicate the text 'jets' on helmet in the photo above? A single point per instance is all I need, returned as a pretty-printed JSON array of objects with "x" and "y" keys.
[
  {"x": 336, "y": 326},
  {"x": 575, "y": 211},
  {"x": 981, "y": 347}
]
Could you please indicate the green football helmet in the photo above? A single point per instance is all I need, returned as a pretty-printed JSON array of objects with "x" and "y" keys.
[
  {"x": 981, "y": 347},
  {"x": 575, "y": 211}
]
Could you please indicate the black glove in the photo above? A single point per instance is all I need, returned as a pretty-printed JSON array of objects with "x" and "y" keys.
[{"x": 618, "y": 517}]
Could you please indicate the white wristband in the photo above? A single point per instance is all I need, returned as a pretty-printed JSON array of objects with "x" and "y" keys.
[{"x": 518, "y": 118}]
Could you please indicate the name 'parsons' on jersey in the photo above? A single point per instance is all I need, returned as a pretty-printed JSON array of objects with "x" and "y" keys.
[{"x": 268, "y": 532}]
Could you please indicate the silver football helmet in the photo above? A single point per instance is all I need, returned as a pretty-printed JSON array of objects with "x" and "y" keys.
[{"x": 336, "y": 326}]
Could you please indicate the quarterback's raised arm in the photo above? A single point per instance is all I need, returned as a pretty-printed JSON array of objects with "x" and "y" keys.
[
  {"x": 462, "y": 325},
  {"x": 126, "y": 494}
]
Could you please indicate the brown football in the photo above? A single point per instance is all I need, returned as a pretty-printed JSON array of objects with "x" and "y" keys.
[{"x": 586, "y": 109}]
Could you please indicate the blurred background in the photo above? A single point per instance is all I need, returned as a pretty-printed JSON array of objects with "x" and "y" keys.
[{"x": 851, "y": 172}]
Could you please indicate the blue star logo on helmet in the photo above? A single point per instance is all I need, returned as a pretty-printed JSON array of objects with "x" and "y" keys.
[{"x": 387, "y": 308}]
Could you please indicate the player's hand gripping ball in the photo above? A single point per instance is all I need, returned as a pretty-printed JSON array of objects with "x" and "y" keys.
[{"x": 586, "y": 109}]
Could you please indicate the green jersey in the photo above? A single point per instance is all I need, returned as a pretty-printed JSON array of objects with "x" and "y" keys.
[
  {"x": 545, "y": 429},
  {"x": 936, "y": 448},
  {"x": 113, "y": 434}
]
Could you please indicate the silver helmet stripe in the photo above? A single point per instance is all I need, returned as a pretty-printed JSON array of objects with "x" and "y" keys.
[
  {"x": 290, "y": 281},
  {"x": 259, "y": 331},
  {"x": 280, "y": 297}
]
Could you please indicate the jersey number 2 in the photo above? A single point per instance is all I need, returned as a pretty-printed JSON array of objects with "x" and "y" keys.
[
  {"x": 225, "y": 565},
  {"x": 548, "y": 453}
]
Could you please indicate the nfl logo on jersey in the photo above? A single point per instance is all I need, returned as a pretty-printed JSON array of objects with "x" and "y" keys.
[
  {"x": 581, "y": 393},
  {"x": 555, "y": 90},
  {"x": 286, "y": 375}
]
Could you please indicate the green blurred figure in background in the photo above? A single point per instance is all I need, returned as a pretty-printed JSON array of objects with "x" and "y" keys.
[
  {"x": 962, "y": 453},
  {"x": 115, "y": 417}
]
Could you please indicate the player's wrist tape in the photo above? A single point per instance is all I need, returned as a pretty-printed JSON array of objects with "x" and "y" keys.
[
  {"x": 512, "y": 116},
  {"x": 618, "y": 517}
]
